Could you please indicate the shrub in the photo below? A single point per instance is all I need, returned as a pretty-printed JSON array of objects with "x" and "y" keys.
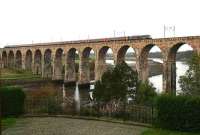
[
  {"x": 178, "y": 113},
  {"x": 145, "y": 94},
  {"x": 190, "y": 82},
  {"x": 114, "y": 84},
  {"x": 54, "y": 106},
  {"x": 12, "y": 99}
]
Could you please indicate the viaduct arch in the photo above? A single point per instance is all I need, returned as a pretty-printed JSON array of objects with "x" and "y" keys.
[{"x": 57, "y": 60}]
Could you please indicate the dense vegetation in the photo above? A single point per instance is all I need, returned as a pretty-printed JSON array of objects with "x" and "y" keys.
[
  {"x": 121, "y": 83},
  {"x": 190, "y": 82},
  {"x": 178, "y": 113},
  {"x": 182, "y": 112},
  {"x": 115, "y": 82},
  {"x": 155, "y": 131},
  {"x": 12, "y": 101},
  {"x": 145, "y": 94}
]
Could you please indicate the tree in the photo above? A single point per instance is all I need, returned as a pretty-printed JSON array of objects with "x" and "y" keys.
[
  {"x": 190, "y": 82},
  {"x": 115, "y": 82},
  {"x": 145, "y": 93}
]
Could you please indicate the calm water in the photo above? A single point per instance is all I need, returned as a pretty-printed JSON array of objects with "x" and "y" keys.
[{"x": 181, "y": 69}]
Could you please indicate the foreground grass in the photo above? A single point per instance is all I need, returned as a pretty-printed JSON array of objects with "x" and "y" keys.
[
  {"x": 8, "y": 122},
  {"x": 165, "y": 132},
  {"x": 11, "y": 74}
]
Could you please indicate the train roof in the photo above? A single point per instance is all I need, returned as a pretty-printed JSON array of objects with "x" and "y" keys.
[{"x": 136, "y": 37}]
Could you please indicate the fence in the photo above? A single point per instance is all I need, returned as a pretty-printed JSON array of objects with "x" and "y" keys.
[{"x": 58, "y": 106}]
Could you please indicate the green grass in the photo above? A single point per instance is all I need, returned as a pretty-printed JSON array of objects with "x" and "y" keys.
[
  {"x": 8, "y": 122},
  {"x": 155, "y": 131},
  {"x": 11, "y": 74}
]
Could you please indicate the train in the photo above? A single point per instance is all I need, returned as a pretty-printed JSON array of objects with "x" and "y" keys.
[{"x": 135, "y": 37}]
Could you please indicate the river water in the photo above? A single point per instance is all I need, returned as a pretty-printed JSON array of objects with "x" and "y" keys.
[{"x": 181, "y": 69}]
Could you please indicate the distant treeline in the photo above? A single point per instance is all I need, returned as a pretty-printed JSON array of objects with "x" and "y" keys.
[{"x": 180, "y": 56}]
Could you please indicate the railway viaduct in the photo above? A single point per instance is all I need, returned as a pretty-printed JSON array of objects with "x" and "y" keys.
[{"x": 56, "y": 60}]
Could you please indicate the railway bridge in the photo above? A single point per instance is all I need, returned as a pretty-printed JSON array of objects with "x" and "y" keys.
[{"x": 56, "y": 60}]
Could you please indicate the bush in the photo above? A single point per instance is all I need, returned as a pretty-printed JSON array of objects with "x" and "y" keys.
[
  {"x": 190, "y": 82},
  {"x": 54, "y": 107},
  {"x": 145, "y": 94},
  {"x": 178, "y": 113},
  {"x": 12, "y": 99},
  {"x": 115, "y": 84}
]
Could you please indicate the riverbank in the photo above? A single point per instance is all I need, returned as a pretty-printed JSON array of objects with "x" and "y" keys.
[
  {"x": 14, "y": 74},
  {"x": 155, "y": 68}
]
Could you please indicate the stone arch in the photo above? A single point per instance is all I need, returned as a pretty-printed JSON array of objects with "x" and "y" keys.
[
  {"x": 38, "y": 62},
  {"x": 28, "y": 60},
  {"x": 18, "y": 60},
  {"x": 102, "y": 53},
  {"x": 88, "y": 65},
  {"x": 101, "y": 67},
  {"x": 47, "y": 64},
  {"x": 58, "y": 65},
  {"x": 143, "y": 61},
  {"x": 4, "y": 59},
  {"x": 171, "y": 76},
  {"x": 72, "y": 68},
  {"x": 121, "y": 55},
  {"x": 173, "y": 50},
  {"x": 11, "y": 61}
]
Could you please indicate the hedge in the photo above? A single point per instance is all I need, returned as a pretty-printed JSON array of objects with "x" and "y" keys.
[
  {"x": 178, "y": 113},
  {"x": 12, "y": 99}
]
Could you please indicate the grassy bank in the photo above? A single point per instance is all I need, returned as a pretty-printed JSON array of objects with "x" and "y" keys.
[
  {"x": 8, "y": 122},
  {"x": 165, "y": 132},
  {"x": 11, "y": 74}
]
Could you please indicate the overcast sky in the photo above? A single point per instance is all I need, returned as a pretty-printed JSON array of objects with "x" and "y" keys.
[{"x": 27, "y": 21}]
